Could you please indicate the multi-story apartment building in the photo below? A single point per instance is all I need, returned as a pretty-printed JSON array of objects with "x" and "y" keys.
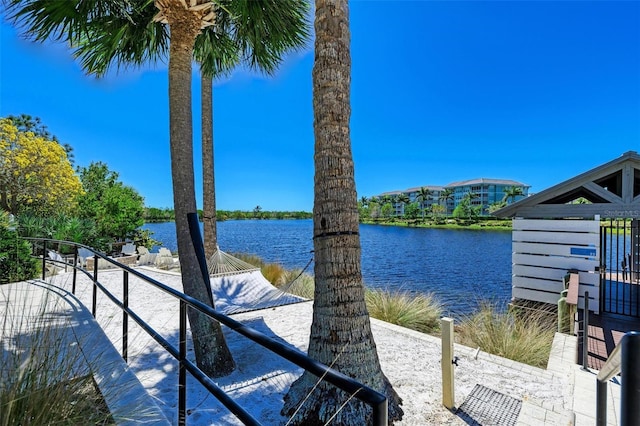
[{"x": 485, "y": 192}]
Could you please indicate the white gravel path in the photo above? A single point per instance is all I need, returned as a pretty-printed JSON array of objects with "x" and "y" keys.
[{"x": 411, "y": 360}]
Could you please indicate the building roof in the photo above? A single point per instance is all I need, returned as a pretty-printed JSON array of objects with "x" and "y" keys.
[
  {"x": 612, "y": 189},
  {"x": 485, "y": 181},
  {"x": 429, "y": 187},
  {"x": 390, "y": 193}
]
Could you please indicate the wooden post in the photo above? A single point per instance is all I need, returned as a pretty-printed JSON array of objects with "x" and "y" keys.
[{"x": 448, "y": 393}]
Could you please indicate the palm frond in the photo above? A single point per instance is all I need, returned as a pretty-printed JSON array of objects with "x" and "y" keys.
[{"x": 267, "y": 29}]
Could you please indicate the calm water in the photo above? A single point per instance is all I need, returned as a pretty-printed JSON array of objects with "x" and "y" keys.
[{"x": 461, "y": 267}]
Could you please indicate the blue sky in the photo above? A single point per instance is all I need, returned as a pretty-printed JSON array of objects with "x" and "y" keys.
[{"x": 442, "y": 91}]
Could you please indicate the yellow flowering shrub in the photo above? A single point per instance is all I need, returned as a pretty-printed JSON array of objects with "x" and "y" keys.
[{"x": 35, "y": 174}]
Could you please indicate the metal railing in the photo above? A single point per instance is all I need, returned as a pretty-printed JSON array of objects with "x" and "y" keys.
[
  {"x": 367, "y": 395},
  {"x": 624, "y": 359}
]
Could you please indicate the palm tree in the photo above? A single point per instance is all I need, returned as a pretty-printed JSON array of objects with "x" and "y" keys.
[
  {"x": 364, "y": 201},
  {"x": 112, "y": 31},
  {"x": 424, "y": 194},
  {"x": 446, "y": 195},
  {"x": 403, "y": 199},
  {"x": 185, "y": 23},
  {"x": 340, "y": 317},
  {"x": 511, "y": 192},
  {"x": 274, "y": 27}
]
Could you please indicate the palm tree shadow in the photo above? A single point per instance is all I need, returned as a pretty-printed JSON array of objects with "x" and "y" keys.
[{"x": 258, "y": 383}]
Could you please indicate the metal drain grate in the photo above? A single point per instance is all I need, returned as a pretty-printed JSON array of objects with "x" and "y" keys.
[{"x": 485, "y": 407}]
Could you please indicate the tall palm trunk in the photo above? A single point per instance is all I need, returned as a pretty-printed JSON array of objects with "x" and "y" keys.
[
  {"x": 208, "y": 174},
  {"x": 212, "y": 353},
  {"x": 341, "y": 330}
]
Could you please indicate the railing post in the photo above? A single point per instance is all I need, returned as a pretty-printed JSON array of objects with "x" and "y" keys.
[
  {"x": 75, "y": 269},
  {"x": 381, "y": 414},
  {"x": 125, "y": 315},
  {"x": 95, "y": 285},
  {"x": 630, "y": 389},
  {"x": 601, "y": 403},
  {"x": 44, "y": 259},
  {"x": 585, "y": 332},
  {"x": 448, "y": 393},
  {"x": 182, "y": 371}
]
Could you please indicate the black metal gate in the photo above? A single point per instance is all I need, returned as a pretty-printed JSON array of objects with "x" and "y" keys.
[{"x": 620, "y": 267}]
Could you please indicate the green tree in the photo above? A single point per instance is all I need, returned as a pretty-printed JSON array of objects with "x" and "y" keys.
[
  {"x": 446, "y": 195},
  {"x": 340, "y": 317},
  {"x": 424, "y": 195},
  {"x": 35, "y": 174},
  {"x": 116, "y": 209},
  {"x": 497, "y": 206},
  {"x": 26, "y": 123},
  {"x": 387, "y": 210},
  {"x": 465, "y": 209},
  {"x": 437, "y": 210},
  {"x": 412, "y": 211},
  {"x": 403, "y": 199},
  {"x": 511, "y": 193}
]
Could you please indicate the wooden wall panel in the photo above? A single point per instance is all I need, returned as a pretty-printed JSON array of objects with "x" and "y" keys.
[{"x": 545, "y": 250}]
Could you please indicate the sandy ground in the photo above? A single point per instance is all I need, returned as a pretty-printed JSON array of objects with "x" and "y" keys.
[{"x": 411, "y": 360}]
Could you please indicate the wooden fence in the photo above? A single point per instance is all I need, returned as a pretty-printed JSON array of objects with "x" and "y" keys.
[{"x": 545, "y": 250}]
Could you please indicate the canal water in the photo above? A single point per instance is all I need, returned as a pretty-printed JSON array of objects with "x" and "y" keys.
[{"x": 462, "y": 268}]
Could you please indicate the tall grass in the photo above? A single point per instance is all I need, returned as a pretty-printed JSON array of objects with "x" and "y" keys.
[
  {"x": 273, "y": 272},
  {"x": 40, "y": 376},
  {"x": 419, "y": 312},
  {"x": 297, "y": 282},
  {"x": 523, "y": 336}
]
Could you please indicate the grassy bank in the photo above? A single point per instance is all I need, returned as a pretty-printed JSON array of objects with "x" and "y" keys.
[{"x": 492, "y": 224}]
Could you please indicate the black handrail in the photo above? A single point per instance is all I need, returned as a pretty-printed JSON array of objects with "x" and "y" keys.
[
  {"x": 623, "y": 359},
  {"x": 365, "y": 394}
]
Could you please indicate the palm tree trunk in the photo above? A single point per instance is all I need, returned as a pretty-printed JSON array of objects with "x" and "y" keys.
[
  {"x": 341, "y": 330},
  {"x": 212, "y": 353},
  {"x": 208, "y": 171}
]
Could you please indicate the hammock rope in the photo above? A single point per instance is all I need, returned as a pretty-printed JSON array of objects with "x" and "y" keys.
[{"x": 257, "y": 292}]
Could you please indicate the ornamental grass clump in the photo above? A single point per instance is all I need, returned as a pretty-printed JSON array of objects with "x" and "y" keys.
[
  {"x": 273, "y": 272},
  {"x": 420, "y": 312},
  {"x": 41, "y": 379},
  {"x": 298, "y": 283},
  {"x": 520, "y": 335}
]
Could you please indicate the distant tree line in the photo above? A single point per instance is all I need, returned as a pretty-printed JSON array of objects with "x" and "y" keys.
[{"x": 154, "y": 214}]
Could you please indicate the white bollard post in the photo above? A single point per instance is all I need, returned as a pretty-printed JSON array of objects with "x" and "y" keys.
[{"x": 448, "y": 393}]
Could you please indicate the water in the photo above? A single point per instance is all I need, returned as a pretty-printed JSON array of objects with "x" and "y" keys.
[{"x": 461, "y": 267}]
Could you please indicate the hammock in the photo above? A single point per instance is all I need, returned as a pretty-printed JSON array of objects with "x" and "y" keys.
[{"x": 238, "y": 286}]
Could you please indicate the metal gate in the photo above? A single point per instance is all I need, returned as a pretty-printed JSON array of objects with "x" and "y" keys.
[{"x": 620, "y": 267}]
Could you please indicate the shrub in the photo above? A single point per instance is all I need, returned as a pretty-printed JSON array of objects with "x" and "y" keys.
[
  {"x": 523, "y": 336},
  {"x": 418, "y": 312},
  {"x": 16, "y": 263}
]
